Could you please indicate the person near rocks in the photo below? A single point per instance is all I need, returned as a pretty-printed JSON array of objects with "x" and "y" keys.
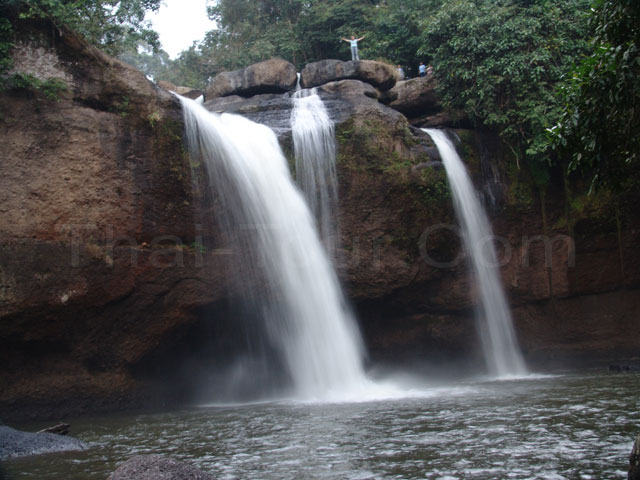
[
  {"x": 422, "y": 69},
  {"x": 400, "y": 72},
  {"x": 430, "y": 70},
  {"x": 354, "y": 46}
]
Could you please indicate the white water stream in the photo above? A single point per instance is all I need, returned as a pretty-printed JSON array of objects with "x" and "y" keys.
[
  {"x": 315, "y": 153},
  {"x": 285, "y": 270},
  {"x": 500, "y": 346}
]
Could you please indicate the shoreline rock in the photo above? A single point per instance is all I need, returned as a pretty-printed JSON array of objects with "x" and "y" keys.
[{"x": 15, "y": 443}]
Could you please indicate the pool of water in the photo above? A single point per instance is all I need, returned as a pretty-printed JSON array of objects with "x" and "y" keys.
[{"x": 570, "y": 426}]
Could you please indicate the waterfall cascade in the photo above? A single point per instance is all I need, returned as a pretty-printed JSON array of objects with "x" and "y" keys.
[
  {"x": 315, "y": 153},
  {"x": 285, "y": 271},
  {"x": 496, "y": 329}
]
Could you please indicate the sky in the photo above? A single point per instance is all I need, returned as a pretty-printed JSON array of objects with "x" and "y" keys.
[{"x": 179, "y": 23}]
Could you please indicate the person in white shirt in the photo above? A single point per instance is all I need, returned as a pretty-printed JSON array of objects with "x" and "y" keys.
[{"x": 354, "y": 46}]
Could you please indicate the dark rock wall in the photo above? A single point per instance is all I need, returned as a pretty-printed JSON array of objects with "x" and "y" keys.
[{"x": 97, "y": 231}]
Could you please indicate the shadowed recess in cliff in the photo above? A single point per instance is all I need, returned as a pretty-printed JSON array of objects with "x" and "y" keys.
[
  {"x": 314, "y": 147},
  {"x": 281, "y": 269},
  {"x": 499, "y": 342}
]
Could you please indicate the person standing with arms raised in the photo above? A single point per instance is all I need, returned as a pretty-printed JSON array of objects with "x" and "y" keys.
[{"x": 354, "y": 46}]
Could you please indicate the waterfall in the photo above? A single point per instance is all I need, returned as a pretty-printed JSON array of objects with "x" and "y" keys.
[
  {"x": 285, "y": 271},
  {"x": 315, "y": 153},
  {"x": 496, "y": 328}
]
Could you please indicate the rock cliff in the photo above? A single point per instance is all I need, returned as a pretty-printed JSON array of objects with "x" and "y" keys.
[
  {"x": 97, "y": 230},
  {"x": 105, "y": 282}
]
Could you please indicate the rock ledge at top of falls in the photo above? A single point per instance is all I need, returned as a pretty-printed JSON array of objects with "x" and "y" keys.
[
  {"x": 415, "y": 96},
  {"x": 187, "y": 92},
  {"x": 378, "y": 74},
  {"x": 419, "y": 101},
  {"x": 157, "y": 467},
  {"x": 271, "y": 76}
]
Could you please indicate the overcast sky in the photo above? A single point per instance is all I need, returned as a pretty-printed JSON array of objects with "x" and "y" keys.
[{"x": 180, "y": 22}]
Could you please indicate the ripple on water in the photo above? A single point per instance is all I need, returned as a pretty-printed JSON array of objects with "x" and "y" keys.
[{"x": 574, "y": 427}]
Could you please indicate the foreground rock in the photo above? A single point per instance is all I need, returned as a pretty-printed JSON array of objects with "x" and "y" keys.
[
  {"x": 14, "y": 443},
  {"x": 157, "y": 467},
  {"x": 271, "y": 76},
  {"x": 378, "y": 74},
  {"x": 634, "y": 461}
]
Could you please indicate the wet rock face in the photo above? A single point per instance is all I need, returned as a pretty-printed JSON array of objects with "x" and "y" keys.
[
  {"x": 273, "y": 110},
  {"x": 97, "y": 228},
  {"x": 157, "y": 467},
  {"x": 14, "y": 443},
  {"x": 271, "y": 76},
  {"x": 378, "y": 74}
]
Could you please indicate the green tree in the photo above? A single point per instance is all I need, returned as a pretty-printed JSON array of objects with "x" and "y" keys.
[
  {"x": 499, "y": 61},
  {"x": 296, "y": 30},
  {"x": 397, "y": 31},
  {"x": 600, "y": 127},
  {"x": 113, "y": 25},
  {"x": 324, "y": 23},
  {"x": 249, "y": 31}
]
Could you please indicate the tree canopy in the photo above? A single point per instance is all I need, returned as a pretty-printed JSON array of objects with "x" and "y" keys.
[
  {"x": 600, "y": 127},
  {"x": 113, "y": 25},
  {"x": 500, "y": 62}
]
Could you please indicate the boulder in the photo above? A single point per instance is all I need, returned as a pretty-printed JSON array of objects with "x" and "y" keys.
[
  {"x": 446, "y": 118},
  {"x": 378, "y": 74},
  {"x": 350, "y": 89},
  {"x": 271, "y": 76},
  {"x": 14, "y": 443},
  {"x": 157, "y": 467},
  {"x": 192, "y": 94},
  {"x": 414, "y": 97}
]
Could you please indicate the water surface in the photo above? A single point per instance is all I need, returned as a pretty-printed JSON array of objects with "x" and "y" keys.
[{"x": 573, "y": 426}]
